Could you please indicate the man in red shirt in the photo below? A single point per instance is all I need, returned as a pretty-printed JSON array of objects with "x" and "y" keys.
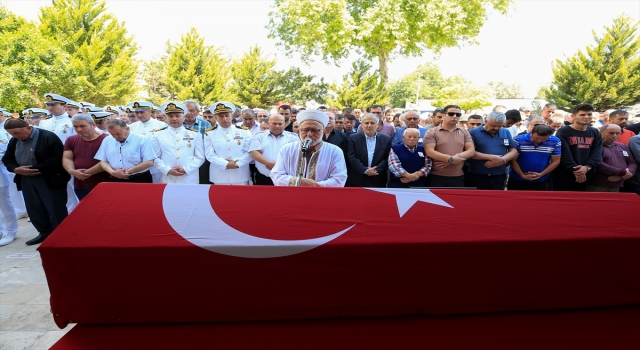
[
  {"x": 79, "y": 151},
  {"x": 620, "y": 118}
]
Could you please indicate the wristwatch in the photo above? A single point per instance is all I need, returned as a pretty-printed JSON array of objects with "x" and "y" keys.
[
  {"x": 450, "y": 159},
  {"x": 126, "y": 171}
]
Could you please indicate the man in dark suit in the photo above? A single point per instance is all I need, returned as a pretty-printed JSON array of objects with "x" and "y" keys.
[
  {"x": 368, "y": 155},
  {"x": 35, "y": 156}
]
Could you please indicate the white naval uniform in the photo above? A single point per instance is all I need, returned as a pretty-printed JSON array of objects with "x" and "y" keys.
[
  {"x": 15, "y": 196},
  {"x": 178, "y": 147},
  {"x": 8, "y": 218},
  {"x": 61, "y": 125},
  {"x": 147, "y": 129},
  {"x": 220, "y": 144}
]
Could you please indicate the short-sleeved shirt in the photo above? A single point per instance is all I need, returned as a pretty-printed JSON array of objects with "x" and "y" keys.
[
  {"x": 269, "y": 145},
  {"x": 124, "y": 155},
  {"x": 535, "y": 158},
  {"x": 448, "y": 142},
  {"x": 83, "y": 158},
  {"x": 497, "y": 144}
]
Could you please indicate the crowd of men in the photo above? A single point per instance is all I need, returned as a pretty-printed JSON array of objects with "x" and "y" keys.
[{"x": 52, "y": 158}]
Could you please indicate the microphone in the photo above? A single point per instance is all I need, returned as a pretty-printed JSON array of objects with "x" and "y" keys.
[{"x": 305, "y": 144}]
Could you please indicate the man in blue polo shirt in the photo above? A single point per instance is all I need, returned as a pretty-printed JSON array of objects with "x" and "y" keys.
[
  {"x": 495, "y": 148},
  {"x": 539, "y": 154}
]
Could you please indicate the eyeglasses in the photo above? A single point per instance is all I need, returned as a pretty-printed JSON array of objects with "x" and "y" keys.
[
  {"x": 451, "y": 114},
  {"x": 312, "y": 131}
]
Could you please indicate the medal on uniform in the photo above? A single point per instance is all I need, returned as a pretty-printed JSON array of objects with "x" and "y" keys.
[
  {"x": 188, "y": 143},
  {"x": 64, "y": 131}
]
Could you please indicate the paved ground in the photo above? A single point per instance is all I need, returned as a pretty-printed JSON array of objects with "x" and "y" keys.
[{"x": 25, "y": 319}]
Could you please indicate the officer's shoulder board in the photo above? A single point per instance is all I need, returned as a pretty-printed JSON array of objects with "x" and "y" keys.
[
  {"x": 210, "y": 129},
  {"x": 192, "y": 130},
  {"x": 160, "y": 129},
  {"x": 242, "y": 127}
]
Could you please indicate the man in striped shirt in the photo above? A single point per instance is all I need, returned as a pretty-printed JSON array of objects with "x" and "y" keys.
[{"x": 539, "y": 153}]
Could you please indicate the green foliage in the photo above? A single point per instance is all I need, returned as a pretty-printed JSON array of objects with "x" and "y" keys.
[
  {"x": 255, "y": 81},
  {"x": 332, "y": 29},
  {"x": 100, "y": 49},
  {"x": 154, "y": 75},
  {"x": 463, "y": 95},
  {"x": 607, "y": 75},
  {"x": 31, "y": 66},
  {"x": 431, "y": 81},
  {"x": 501, "y": 89},
  {"x": 360, "y": 88},
  {"x": 197, "y": 71}
]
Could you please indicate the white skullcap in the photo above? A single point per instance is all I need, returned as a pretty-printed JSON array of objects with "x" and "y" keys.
[{"x": 315, "y": 115}]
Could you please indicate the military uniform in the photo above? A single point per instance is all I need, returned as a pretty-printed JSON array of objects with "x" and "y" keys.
[
  {"x": 178, "y": 147},
  {"x": 146, "y": 129},
  {"x": 8, "y": 219}
]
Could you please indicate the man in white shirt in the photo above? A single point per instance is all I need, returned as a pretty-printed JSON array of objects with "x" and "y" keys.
[
  {"x": 179, "y": 151},
  {"x": 146, "y": 126},
  {"x": 226, "y": 146},
  {"x": 60, "y": 124},
  {"x": 321, "y": 165},
  {"x": 126, "y": 156},
  {"x": 265, "y": 146}
]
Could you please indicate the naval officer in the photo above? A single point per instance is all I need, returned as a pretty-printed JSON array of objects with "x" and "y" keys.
[
  {"x": 227, "y": 148},
  {"x": 146, "y": 126},
  {"x": 179, "y": 150}
]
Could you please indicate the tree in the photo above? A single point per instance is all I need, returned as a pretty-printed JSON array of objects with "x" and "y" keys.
[
  {"x": 607, "y": 75},
  {"x": 255, "y": 81},
  {"x": 31, "y": 66},
  {"x": 360, "y": 88},
  {"x": 300, "y": 88},
  {"x": 154, "y": 76},
  {"x": 501, "y": 89},
  {"x": 376, "y": 29},
  {"x": 404, "y": 90},
  {"x": 99, "y": 47},
  {"x": 463, "y": 95},
  {"x": 197, "y": 71}
]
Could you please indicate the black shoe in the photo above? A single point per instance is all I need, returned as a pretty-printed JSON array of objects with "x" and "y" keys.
[{"x": 41, "y": 237}]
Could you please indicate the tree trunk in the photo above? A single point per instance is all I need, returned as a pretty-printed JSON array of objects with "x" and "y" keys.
[{"x": 383, "y": 69}]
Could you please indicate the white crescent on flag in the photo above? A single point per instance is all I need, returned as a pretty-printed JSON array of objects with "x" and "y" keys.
[{"x": 196, "y": 221}]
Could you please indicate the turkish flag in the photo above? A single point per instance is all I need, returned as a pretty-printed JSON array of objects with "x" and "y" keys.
[{"x": 136, "y": 253}]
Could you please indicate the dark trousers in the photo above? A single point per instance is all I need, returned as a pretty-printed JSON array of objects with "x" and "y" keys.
[
  {"x": 46, "y": 207},
  {"x": 137, "y": 178},
  {"x": 629, "y": 187},
  {"x": 566, "y": 181},
  {"x": 526, "y": 185},
  {"x": 444, "y": 181},
  {"x": 487, "y": 182},
  {"x": 81, "y": 193},
  {"x": 252, "y": 172},
  {"x": 203, "y": 172},
  {"x": 262, "y": 180}
]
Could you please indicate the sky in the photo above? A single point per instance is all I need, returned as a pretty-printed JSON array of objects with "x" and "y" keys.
[{"x": 519, "y": 47}]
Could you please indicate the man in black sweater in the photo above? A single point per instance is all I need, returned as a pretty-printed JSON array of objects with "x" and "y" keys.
[
  {"x": 581, "y": 151},
  {"x": 35, "y": 156}
]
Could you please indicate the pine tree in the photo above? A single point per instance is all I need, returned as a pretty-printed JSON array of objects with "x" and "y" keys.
[
  {"x": 31, "y": 66},
  {"x": 607, "y": 75},
  {"x": 100, "y": 48},
  {"x": 255, "y": 81},
  {"x": 197, "y": 71},
  {"x": 360, "y": 88}
]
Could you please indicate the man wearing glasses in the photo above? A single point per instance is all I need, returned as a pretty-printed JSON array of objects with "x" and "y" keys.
[
  {"x": 322, "y": 165},
  {"x": 448, "y": 146}
]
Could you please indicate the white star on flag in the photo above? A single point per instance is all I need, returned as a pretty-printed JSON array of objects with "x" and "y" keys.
[{"x": 407, "y": 197}]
